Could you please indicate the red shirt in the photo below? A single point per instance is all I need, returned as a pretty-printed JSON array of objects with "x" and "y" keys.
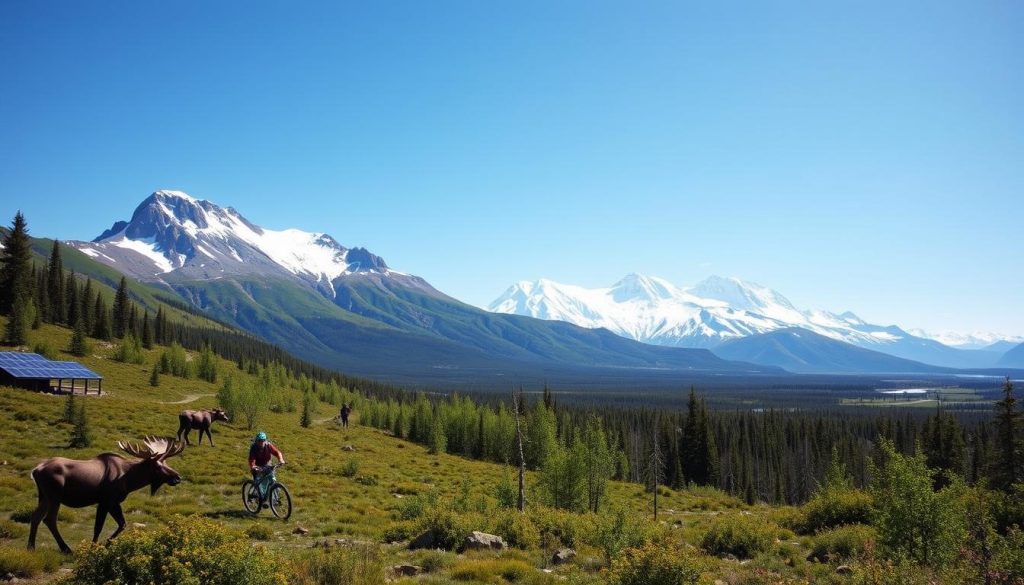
[{"x": 261, "y": 455}]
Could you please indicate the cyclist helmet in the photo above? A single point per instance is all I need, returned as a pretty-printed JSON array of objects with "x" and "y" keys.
[{"x": 261, "y": 436}]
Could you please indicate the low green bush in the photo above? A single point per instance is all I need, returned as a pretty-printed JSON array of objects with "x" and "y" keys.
[
  {"x": 739, "y": 535},
  {"x": 517, "y": 529},
  {"x": 449, "y": 528},
  {"x": 1008, "y": 560},
  {"x": 416, "y": 506},
  {"x": 350, "y": 468},
  {"x": 836, "y": 507},
  {"x": 188, "y": 550},
  {"x": 845, "y": 542},
  {"x": 46, "y": 349},
  {"x": 25, "y": 564},
  {"x": 557, "y": 527},
  {"x": 354, "y": 565},
  {"x": 10, "y": 529},
  {"x": 657, "y": 565},
  {"x": 616, "y": 530},
  {"x": 492, "y": 570},
  {"x": 259, "y": 531}
]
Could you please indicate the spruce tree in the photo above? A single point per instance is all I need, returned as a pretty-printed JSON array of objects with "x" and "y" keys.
[
  {"x": 69, "y": 409},
  {"x": 158, "y": 327},
  {"x": 307, "y": 409},
  {"x": 18, "y": 322},
  {"x": 71, "y": 299},
  {"x": 1008, "y": 463},
  {"x": 101, "y": 326},
  {"x": 41, "y": 297},
  {"x": 133, "y": 326},
  {"x": 154, "y": 377},
  {"x": 81, "y": 436},
  {"x": 87, "y": 304},
  {"x": 15, "y": 265},
  {"x": 147, "y": 332},
  {"x": 79, "y": 345},
  {"x": 55, "y": 282},
  {"x": 121, "y": 311}
]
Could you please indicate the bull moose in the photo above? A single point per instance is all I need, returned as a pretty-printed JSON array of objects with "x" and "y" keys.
[
  {"x": 104, "y": 481},
  {"x": 200, "y": 420}
]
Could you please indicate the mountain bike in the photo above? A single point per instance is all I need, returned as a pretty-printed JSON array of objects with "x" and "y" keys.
[{"x": 267, "y": 491}]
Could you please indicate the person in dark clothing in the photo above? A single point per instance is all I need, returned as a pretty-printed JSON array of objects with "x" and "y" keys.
[{"x": 345, "y": 411}]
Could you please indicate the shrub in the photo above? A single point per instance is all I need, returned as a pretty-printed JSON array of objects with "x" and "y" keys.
[
  {"x": 743, "y": 536},
  {"x": 259, "y": 531},
  {"x": 491, "y": 570},
  {"x": 10, "y": 529},
  {"x": 845, "y": 542},
  {"x": 398, "y": 532},
  {"x": 913, "y": 520},
  {"x": 507, "y": 493},
  {"x": 190, "y": 550},
  {"x": 45, "y": 349},
  {"x": 355, "y": 565},
  {"x": 434, "y": 560},
  {"x": 517, "y": 530},
  {"x": 416, "y": 506},
  {"x": 832, "y": 508},
  {"x": 25, "y": 564},
  {"x": 1008, "y": 560},
  {"x": 557, "y": 527},
  {"x": 350, "y": 468},
  {"x": 616, "y": 530},
  {"x": 130, "y": 350},
  {"x": 657, "y": 565},
  {"x": 449, "y": 528}
]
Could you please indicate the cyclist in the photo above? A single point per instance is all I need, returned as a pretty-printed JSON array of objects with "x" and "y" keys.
[{"x": 259, "y": 456}]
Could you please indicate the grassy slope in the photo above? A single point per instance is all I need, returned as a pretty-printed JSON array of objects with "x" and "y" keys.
[{"x": 327, "y": 503}]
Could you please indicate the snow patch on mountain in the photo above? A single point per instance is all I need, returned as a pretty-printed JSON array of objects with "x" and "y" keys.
[{"x": 149, "y": 249}]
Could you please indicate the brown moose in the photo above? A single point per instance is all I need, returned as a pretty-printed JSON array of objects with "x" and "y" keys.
[
  {"x": 104, "y": 481},
  {"x": 200, "y": 420}
]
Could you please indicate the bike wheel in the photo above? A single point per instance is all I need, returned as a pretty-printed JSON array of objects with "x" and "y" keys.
[
  {"x": 250, "y": 497},
  {"x": 280, "y": 501}
]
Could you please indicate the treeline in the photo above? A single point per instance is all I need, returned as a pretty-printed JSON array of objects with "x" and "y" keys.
[{"x": 770, "y": 456}]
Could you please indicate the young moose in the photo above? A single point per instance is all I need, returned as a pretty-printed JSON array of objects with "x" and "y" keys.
[
  {"x": 104, "y": 481},
  {"x": 201, "y": 420}
]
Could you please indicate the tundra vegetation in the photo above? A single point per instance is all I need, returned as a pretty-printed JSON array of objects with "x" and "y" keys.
[{"x": 888, "y": 498}]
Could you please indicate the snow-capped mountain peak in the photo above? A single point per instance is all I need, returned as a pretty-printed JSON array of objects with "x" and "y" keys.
[
  {"x": 171, "y": 231},
  {"x": 637, "y": 287}
]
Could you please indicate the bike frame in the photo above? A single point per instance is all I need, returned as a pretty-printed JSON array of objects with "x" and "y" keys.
[{"x": 266, "y": 479}]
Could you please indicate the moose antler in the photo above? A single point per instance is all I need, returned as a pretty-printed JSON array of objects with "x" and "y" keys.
[{"x": 153, "y": 448}]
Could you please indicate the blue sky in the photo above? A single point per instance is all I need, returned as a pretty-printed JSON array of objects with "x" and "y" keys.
[{"x": 866, "y": 156}]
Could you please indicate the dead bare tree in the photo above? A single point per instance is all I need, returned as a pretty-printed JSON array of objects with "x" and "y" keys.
[
  {"x": 656, "y": 470},
  {"x": 517, "y": 400}
]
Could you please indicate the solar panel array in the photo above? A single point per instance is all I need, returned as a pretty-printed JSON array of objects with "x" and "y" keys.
[{"x": 33, "y": 365}]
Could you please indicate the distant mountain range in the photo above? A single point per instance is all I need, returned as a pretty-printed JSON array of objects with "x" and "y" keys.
[
  {"x": 719, "y": 310},
  {"x": 347, "y": 309}
]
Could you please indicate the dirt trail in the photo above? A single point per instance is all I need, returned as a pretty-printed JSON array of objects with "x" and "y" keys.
[{"x": 189, "y": 398}]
